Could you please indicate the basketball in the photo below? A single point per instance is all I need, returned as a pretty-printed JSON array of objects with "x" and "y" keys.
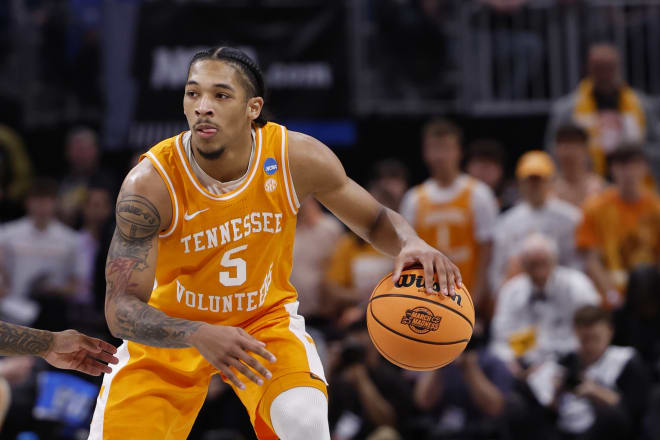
[{"x": 416, "y": 330}]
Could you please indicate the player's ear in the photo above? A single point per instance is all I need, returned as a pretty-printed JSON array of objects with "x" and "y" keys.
[{"x": 254, "y": 106}]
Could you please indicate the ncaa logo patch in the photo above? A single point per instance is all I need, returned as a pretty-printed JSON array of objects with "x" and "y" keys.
[
  {"x": 270, "y": 185},
  {"x": 270, "y": 166}
]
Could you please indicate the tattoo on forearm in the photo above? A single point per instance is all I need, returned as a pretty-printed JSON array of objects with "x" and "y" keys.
[
  {"x": 145, "y": 324},
  {"x": 19, "y": 340},
  {"x": 138, "y": 222}
]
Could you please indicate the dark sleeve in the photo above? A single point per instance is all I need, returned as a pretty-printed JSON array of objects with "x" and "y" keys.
[{"x": 634, "y": 384}]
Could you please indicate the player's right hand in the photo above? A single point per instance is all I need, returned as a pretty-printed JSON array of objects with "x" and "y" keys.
[{"x": 226, "y": 348}]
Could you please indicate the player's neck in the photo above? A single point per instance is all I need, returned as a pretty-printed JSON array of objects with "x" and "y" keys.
[
  {"x": 232, "y": 164},
  {"x": 446, "y": 178}
]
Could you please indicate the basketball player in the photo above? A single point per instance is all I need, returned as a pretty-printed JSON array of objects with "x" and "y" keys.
[
  {"x": 198, "y": 269},
  {"x": 68, "y": 349}
]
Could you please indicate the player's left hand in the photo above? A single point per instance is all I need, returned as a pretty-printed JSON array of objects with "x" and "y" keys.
[
  {"x": 72, "y": 350},
  {"x": 433, "y": 261}
]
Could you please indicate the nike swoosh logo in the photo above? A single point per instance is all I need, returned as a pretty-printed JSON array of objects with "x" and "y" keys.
[{"x": 187, "y": 216}]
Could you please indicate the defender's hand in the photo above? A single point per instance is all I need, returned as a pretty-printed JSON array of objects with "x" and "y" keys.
[
  {"x": 225, "y": 347},
  {"x": 433, "y": 261},
  {"x": 72, "y": 350}
]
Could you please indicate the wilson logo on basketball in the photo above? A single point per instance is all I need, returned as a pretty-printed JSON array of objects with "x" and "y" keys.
[
  {"x": 421, "y": 320},
  {"x": 407, "y": 280}
]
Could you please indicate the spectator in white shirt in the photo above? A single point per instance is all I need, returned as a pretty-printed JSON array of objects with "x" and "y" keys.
[
  {"x": 40, "y": 255},
  {"x": 534, "y": 312},
  {"x": 540, "y": 212}
]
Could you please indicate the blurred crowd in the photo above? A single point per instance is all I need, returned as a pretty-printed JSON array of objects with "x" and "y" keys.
[{"x": 562, "y": 260}]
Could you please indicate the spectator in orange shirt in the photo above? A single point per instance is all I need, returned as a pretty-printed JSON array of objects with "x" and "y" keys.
[
  {"x": 451, "y": 210},
  {"x": 575, "y": 182},
  {"x": 621, "y": 226}
]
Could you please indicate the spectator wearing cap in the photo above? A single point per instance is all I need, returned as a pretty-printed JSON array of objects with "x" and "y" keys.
[
  {"x": 576, "y": 181},
  {"x": 610, "y": 110},
  {"x": 621, "y": 226},
  {"x": 538, "y": 211}
]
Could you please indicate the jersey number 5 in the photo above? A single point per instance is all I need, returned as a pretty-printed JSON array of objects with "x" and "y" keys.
[{"x": 238, "y": 263}]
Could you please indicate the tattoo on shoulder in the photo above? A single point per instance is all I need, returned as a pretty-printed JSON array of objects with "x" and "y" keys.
[
  {"x": 19, "y": 340},
  {"x": 138, "y": 222}
]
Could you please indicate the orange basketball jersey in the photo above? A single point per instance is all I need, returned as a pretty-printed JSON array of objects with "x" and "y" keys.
[
  {"x": 226, "y": 259},
  {"x": 449, "y": 227}
]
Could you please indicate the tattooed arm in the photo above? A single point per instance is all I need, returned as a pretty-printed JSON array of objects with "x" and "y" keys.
[
  {"x": 68, "y": 349},
  {"x": 19, "y": 340},
  {"x": 143, "y": 210}
]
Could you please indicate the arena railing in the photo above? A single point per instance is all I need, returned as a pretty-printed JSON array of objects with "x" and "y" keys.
[{"x": 489, "y": 61}]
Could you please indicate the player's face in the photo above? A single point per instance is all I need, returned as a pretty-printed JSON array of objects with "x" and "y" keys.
[
  {"x": 442, "y": 153},
  {"x": 594, "y": 339},
  {"x": 216, "y": 106}
]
